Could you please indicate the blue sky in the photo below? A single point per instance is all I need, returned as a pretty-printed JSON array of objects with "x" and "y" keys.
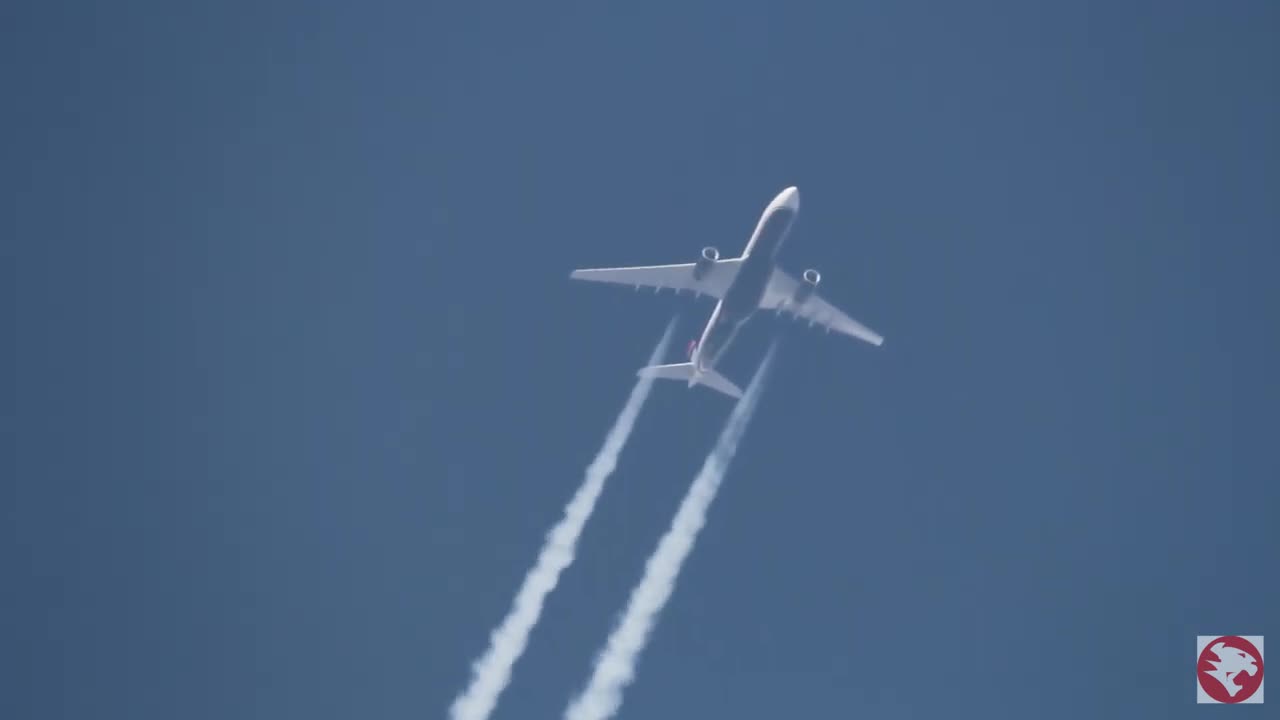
[{"x": 300, "y": 380}]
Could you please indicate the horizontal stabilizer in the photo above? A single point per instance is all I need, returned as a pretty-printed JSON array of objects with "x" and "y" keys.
[{"x": 685, "y": 372}]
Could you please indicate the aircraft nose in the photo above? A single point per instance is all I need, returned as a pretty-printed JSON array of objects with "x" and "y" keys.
[{"x": 790, "y": 198}]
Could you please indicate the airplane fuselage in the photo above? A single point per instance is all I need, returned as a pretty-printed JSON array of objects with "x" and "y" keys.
[{"x": 743, "y": 296}]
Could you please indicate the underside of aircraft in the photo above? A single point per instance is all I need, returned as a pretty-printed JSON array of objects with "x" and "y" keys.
[{"x": 743, "y": 286}]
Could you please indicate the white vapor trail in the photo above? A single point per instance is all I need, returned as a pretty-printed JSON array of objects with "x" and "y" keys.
[
  {"x": 492, "y": 671},
  {"x": 616, "y": 665}
]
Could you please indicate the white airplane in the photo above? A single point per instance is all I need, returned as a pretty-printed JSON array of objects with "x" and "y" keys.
[{"x": 742, "y": 285}]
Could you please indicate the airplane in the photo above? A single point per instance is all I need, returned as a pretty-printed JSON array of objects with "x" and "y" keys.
[{"x": 742, "y": 285}]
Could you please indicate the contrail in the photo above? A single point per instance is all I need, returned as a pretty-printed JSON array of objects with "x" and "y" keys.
[
  {"x": 616, "y": 665},
  {"x": 492, "y": 672}
]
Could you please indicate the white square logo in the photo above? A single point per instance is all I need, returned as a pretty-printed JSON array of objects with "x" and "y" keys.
[{"x": 1229, "y": 669}]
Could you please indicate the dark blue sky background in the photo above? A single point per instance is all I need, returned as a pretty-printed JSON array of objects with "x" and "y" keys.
[{"x": 300, "y": 380}]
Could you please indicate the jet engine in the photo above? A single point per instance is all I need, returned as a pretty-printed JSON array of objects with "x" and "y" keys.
[
  {"x": 709, "y": 257},
  {"x": 808, "y": 283}
]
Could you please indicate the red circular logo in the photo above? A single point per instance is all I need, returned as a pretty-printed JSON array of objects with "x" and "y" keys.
[{"x": 1230, "y": 669}]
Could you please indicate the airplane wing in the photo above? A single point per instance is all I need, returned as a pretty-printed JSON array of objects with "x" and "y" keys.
[
  {"x": 714, "y": 282},
  {"x": 779, "y": 294}
]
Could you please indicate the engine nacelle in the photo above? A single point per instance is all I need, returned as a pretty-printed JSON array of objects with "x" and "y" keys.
[
  {"x": 808, "y": 283},
  {"x": 709, "y": 257}
]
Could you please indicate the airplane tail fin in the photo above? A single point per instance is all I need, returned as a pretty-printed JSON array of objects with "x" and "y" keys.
[{"x": 684, "y": 371}]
